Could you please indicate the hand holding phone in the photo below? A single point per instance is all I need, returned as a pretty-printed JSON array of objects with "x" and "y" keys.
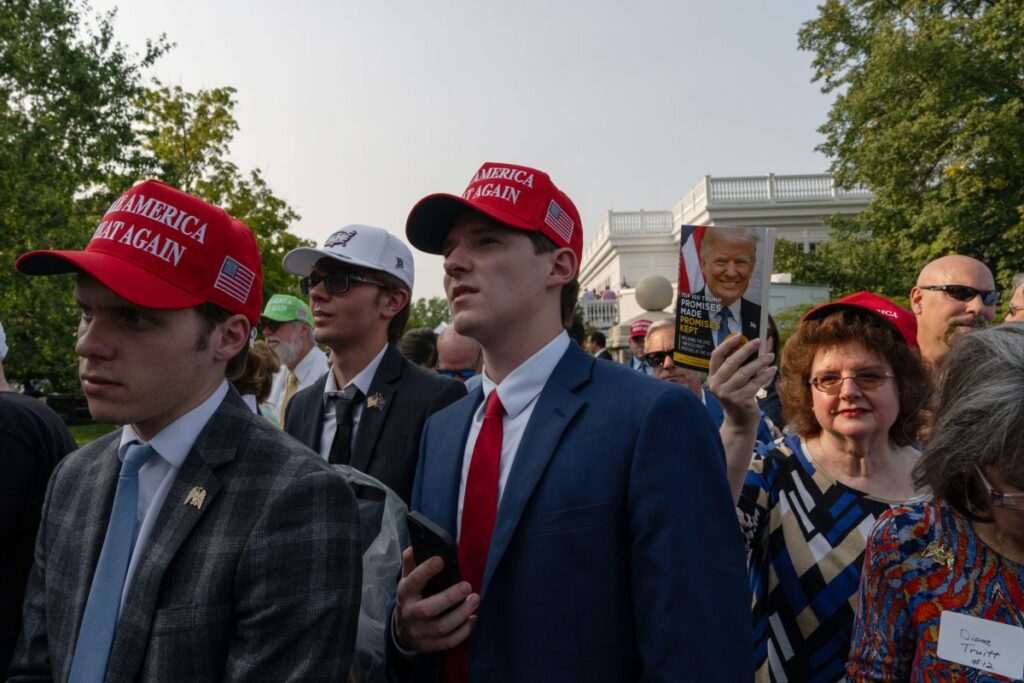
[{"x": 429, "y": 539}]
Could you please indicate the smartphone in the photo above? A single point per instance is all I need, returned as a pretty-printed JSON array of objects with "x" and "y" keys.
[{"x": 429, "y": 539}]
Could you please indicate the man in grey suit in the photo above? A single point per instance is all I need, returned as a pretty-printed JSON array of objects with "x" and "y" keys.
[{"x": 192, "y": 543}]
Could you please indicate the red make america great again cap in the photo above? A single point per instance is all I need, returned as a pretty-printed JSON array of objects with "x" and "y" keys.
[
  {"x": 517, "y": 196},
  {"x": 158, "y": 247}
]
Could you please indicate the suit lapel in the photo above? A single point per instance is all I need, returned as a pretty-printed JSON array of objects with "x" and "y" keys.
[
  {"x": 556, "y": 406},
  {"x": 443, "y": 501},
  {"x": 94, "y": 506},
  {"x": 313, "y": 424},
  {"x": 381, "y": 395},
  {"x": 183, "y": 508}
]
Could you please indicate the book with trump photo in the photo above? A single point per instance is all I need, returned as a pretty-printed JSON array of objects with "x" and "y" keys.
[{"x": 724, "y": 275}]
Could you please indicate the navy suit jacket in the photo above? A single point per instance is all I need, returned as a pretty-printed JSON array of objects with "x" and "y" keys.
[{"x": 616, "y": 554}]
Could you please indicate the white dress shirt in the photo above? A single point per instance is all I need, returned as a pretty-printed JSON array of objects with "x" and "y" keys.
[
  {"x": 307, "y": 371},
  {"x": 363, "y": 381},
  {"x": 518, "y": 393},
  {"x": 172, "y": 445}
]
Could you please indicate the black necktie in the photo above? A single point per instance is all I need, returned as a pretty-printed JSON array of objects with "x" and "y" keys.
[{"x": 344, "y": 405}]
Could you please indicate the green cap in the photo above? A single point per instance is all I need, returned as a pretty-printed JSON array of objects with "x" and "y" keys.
[{"x": 284, "y": 308}]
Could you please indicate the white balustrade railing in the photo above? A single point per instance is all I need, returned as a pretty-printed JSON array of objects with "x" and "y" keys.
[{"x": 600, "y": 314}]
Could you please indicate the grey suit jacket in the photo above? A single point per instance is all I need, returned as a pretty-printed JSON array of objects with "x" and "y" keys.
[
  {"x": 387, "y": 442},
  {"x": 260, "y": 582}
]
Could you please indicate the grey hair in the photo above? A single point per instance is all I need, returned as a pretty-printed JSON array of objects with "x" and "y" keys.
[
  {"x": 662, "y": 324},
  {"x": 979, "y": 419},
  {"x": 1018, "y": 280},
  {"x": 717, "y": 235}
]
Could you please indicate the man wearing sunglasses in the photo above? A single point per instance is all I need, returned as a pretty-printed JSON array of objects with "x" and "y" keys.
[
  {"x": 954, "y": 295},
  {"x": 368, "y": 411},
  {"x": 459, "y": 357},
  {"x": 287, "y": 326}
]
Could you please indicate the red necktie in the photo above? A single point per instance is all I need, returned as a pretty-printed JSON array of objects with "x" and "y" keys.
[{"x": 479, "y": 511}]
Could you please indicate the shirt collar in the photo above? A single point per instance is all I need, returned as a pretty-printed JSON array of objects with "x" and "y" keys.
[
  {"x": 174, "y": 441},
  {"x": 525, "y": 383},
  {"x": 307, "y": 364},
  {"x": 362, "y": 380}
]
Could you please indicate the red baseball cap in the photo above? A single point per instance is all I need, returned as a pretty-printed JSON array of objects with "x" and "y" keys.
[
  {"x": 517, "y": 196},
  {"x": 638, "y": 328},
  {"x": 158, "y": 247},
  {"x": 902, "y": 320}
]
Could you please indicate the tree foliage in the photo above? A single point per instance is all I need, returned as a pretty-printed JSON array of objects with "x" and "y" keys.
[
  {"x": 928, "y": 115},
  {"x": 67, "y": 109},
  {"x": 428, "y": 313},
  {"x": 186, "y": 137}
]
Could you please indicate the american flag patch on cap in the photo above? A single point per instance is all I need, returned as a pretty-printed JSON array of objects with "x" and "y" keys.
[
  {"x": 559, "y": 221},
  {"x": 234, "y": 279}
]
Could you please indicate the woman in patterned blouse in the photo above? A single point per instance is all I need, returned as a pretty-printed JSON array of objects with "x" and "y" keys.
[
  {"x": 851, "y": 388},
  {"x": 937, "y": 571}
]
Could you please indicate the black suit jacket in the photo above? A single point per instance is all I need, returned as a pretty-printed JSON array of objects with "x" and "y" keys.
[
  {"x": 604, "y": 355},
  {"x": 387, "y": 440}
]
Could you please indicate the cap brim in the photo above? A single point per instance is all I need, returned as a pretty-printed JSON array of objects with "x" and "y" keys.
[
  {"x": 124, "y": 278},
  {"x": 431, "y": 220},
  {"x": 824, "y": 309},
  {"x": 277, "y": 317},
  {"x": 301, "y": 261}
]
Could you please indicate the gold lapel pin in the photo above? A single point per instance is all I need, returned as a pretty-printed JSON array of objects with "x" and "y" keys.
[
  {"x": 376, "y": 401},
  {"x": 940, "y": 553},
  {"x": 196, "y": 497}
]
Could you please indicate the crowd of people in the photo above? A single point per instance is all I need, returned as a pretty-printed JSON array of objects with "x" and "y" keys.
[{"x": 847, "y": 506}]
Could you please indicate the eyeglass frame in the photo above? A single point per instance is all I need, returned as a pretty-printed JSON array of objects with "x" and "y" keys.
[
  {"x": 307, "y": 283},
  {"x": 464, "y": 373},
  {"x": 999, "y": 498},
  {"x": 664, "y": 354},
  {"x": 814, "y": 382},
  {"x": 274, "y": 325},
  {"x": 948, "y": 290},
  {"x": 1014, "y": 309}
]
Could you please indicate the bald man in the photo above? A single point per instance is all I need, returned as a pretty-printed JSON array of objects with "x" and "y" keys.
[
  {"x": 954, "y": 295},
  {"x": 459, "y": 357}
]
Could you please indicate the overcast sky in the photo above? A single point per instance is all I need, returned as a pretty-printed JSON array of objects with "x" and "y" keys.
[{"x": 355, "y": 110}]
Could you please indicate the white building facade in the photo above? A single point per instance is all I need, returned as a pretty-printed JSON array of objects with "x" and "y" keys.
[{"x": 630, "y": 245}]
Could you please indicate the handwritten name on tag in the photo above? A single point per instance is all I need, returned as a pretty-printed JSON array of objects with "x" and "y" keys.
[{"x": 982, "y": 644}]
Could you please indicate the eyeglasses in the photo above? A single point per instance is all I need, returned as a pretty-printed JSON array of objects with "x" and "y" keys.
[
  {"x": 964, "y": 293},
  {"x": 1014, "y": 501},
  {"x": 464, "y": 373},
  {"x": 657, "y": 358},
  {"x": 336, "y": 283},
  {"x": 1014, "y": 310},
  {"x": 868, "y": 380},
  {"x": 272, "y": 325}
]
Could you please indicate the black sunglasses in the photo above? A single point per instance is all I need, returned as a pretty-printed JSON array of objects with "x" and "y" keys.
[
  {"x": 336, "y": 283},
  {"x": 464, "y": 373},
  {"x": 657, "y": 358},
  {"x": 964, "y": 293},
  {"x": 272, "y": 325}
]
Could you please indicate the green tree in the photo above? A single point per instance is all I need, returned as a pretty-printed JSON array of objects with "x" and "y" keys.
[
  {"x": 428, "y": 313},
  {"x": 928, "y": 115},
  {"x": 66, "y": 132},
  {"x": 186, "y": 137}
]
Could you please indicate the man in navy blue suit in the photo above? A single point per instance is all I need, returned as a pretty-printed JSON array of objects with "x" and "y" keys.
[{"x": 596, "y": 534}]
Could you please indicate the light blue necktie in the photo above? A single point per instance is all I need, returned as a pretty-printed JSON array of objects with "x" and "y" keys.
[
  {"x": 724, "y": 314},
  {"x": 96, "y": 634}
]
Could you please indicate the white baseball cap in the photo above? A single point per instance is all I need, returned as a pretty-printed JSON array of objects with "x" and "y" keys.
[{"x": 357, "y": 245}]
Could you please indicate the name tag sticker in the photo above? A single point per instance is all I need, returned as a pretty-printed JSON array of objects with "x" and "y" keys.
[{"x": 982, "y": 644}]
